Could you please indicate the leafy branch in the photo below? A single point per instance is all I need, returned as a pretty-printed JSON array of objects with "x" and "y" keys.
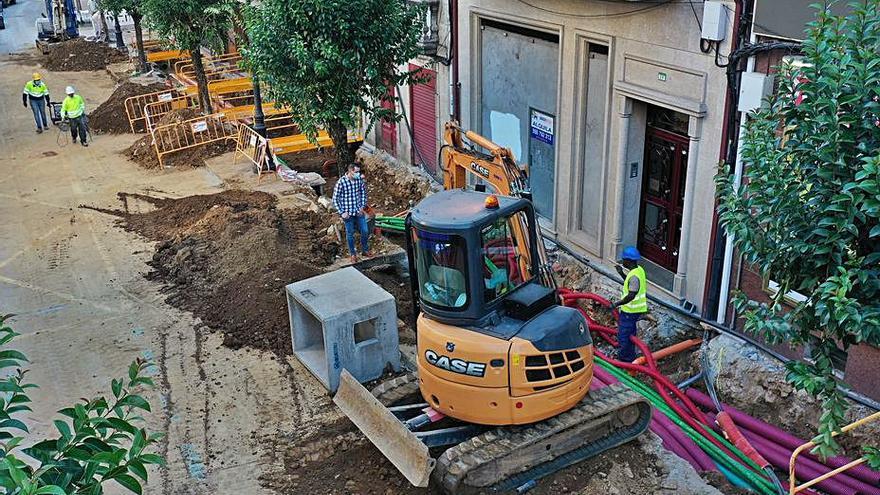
[
  {"x": 807, "y": 214},
  {"x": 99, "y": 438}
]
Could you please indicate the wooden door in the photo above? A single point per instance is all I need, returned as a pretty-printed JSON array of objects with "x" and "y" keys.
[{"x": 665, "y": 171}]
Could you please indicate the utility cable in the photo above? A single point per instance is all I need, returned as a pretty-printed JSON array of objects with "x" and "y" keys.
[{"x": 600, "y": 16}]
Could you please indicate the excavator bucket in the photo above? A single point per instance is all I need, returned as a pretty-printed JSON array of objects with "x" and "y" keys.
[{"x": 408, "y": 454}]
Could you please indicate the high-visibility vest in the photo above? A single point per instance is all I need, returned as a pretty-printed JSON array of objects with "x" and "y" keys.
[
  {"x": 35, "y": 91},
  {"x": 73, "y": 106},
  {"x": 639, "y": 304}
]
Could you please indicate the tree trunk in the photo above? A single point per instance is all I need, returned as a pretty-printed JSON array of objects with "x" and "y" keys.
[
  {"x": 139, "y": 39},
  {"x": 344, "y": 155},
  {"x": 104, "y": 29},
  {"x": 201, "y": 80}
]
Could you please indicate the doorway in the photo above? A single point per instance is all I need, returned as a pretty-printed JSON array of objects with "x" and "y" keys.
[
  {"x": 518, "y": 98},
  {"x": 665, "y": 172}
]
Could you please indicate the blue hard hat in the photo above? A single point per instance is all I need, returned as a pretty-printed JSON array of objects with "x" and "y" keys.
[{"x": 631, "y": 253}]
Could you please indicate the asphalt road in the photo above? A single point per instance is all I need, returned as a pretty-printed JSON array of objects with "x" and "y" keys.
[{"x": 20, "y": 29}]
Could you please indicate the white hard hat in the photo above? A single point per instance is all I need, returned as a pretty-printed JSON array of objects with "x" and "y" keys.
[{"x": 69, "y": 90}]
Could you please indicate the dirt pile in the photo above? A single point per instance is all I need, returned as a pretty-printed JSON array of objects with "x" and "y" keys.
[
  {"x": 391, "y": 187},
  {"x": 226, "y": 258},
  {"x": 81, "y": 55},
  {"x": 143, "y": 152},
  {"x": 110, "y": 117}
]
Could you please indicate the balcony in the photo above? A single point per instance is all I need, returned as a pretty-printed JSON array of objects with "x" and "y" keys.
[{"x": 429, "y": 37}]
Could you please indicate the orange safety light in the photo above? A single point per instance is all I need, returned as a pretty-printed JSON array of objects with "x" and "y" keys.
[{"x": 492, "y": 202}]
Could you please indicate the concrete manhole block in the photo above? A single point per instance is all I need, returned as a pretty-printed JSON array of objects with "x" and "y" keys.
[{"x": 342, "y": 319}]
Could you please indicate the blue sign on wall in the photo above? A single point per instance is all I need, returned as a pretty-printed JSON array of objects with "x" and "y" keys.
[{"x": 541, "y": 127}]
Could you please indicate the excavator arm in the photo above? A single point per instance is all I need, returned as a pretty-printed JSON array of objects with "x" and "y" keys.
[{"x": 500, "y": 170}]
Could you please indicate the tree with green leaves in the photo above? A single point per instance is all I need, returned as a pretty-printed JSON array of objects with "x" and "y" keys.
[
  {"x": 98, "y": 439},
  {"x": 191, "y": 25},
  {"x": 807, "y": 214},
  {"x": 329, "y": 60},
  {"x": 134, "y": 9}
]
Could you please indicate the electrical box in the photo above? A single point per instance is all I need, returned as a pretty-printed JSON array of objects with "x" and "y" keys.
[
  {"x": 714, "y": 21},
  {"x": 754, "y": 89}
]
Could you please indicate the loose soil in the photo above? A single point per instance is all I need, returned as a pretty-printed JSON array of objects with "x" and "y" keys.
[
  {"x": 143, "y": 153},
  {"x": 227, "y": 257},
  {"x": 81, "y": 55},
  {"x": 308, "y": 161},
  {"x": 110, "y": 117},
  {"x": 390, "y": 189},
  {"x": 350, "y": 464}
]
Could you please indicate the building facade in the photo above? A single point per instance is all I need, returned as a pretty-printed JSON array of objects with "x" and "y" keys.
[
  {"x": 614, "y": 107},
  {"x": 618, "y": 109}
]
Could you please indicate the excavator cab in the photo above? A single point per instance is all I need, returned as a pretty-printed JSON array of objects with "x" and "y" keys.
[
  {"x": 495, "y": 347},
  {"x": 468, "y": 250}
]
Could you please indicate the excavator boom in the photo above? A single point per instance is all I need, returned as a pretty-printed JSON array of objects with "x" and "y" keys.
[{"x": 499, "y": 169}]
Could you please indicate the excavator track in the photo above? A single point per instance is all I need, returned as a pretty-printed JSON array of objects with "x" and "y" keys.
[{"x": 505, "y": 458}]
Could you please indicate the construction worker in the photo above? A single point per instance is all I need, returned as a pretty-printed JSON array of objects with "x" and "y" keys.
[
  {"x": 350, "y": 200},
  {"x": 73, "y": 108},
  {"x": 633, "y": 303},
  {"x": 37, "y": 93}
]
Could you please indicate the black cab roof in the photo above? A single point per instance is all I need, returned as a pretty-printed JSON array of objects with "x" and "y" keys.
[{"x": 461, "y": 209}]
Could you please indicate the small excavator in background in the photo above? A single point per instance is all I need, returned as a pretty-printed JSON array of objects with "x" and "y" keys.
[
  {"x": 503, "y": 369},
  {"x": 60, "y": 24}
]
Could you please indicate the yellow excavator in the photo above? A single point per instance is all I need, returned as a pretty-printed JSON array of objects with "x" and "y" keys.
[{"x": 503, "y": 370}]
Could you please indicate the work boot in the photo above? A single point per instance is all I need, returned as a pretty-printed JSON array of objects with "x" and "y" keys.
[
  {"x": 85, "y": 144},
  {"x": 39, "y": 130},
  {"x": 74, "y": 140}
]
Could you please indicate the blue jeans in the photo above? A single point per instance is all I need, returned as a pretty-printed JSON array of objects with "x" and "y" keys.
[
  {"x": 38, "y": 106},
  {"x": 357, "y": 223},
  {"x": 626, "y": 328}
]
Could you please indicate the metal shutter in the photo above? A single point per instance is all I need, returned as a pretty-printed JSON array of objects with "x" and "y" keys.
[{"x": 424, "y": 120}]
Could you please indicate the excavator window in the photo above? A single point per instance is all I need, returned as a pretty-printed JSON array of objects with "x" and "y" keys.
[
  {"x": 440, "y": 263},
  {"x": 503, "y": 267}
]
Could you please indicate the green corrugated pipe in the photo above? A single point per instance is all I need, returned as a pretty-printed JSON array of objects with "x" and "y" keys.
[
  {"x": 758, "y": 482},
  {"x": 396, "y": 224}
]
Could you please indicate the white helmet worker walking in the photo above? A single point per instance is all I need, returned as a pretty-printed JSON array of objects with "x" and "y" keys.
[{"x": 74, "y": 108}]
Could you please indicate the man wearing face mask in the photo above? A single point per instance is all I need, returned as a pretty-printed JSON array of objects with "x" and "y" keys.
[{"x": 350, "y": 200}]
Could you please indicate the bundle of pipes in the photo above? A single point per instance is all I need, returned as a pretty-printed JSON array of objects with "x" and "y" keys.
[
  {"x": 777, "y": 446},
  {"x": 677, "y": 407},
  {"x": 393, "y": 224},
  {"x": 673, "y": 438},
  {"x": 684, "y": 431}
]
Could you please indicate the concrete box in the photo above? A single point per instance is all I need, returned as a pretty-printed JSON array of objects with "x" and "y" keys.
[{"x": 342, "y": 319}]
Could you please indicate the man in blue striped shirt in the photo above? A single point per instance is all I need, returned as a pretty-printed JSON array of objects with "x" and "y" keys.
[{"x": 350, "y": 200}]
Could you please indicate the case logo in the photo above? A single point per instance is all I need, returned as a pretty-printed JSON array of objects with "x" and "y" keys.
[
  {"x": 459, "y": 366},
  {"x": 480, "y": 169}
]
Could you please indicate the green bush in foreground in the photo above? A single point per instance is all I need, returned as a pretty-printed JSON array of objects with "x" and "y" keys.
[{"x": 98, "y": 441}]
